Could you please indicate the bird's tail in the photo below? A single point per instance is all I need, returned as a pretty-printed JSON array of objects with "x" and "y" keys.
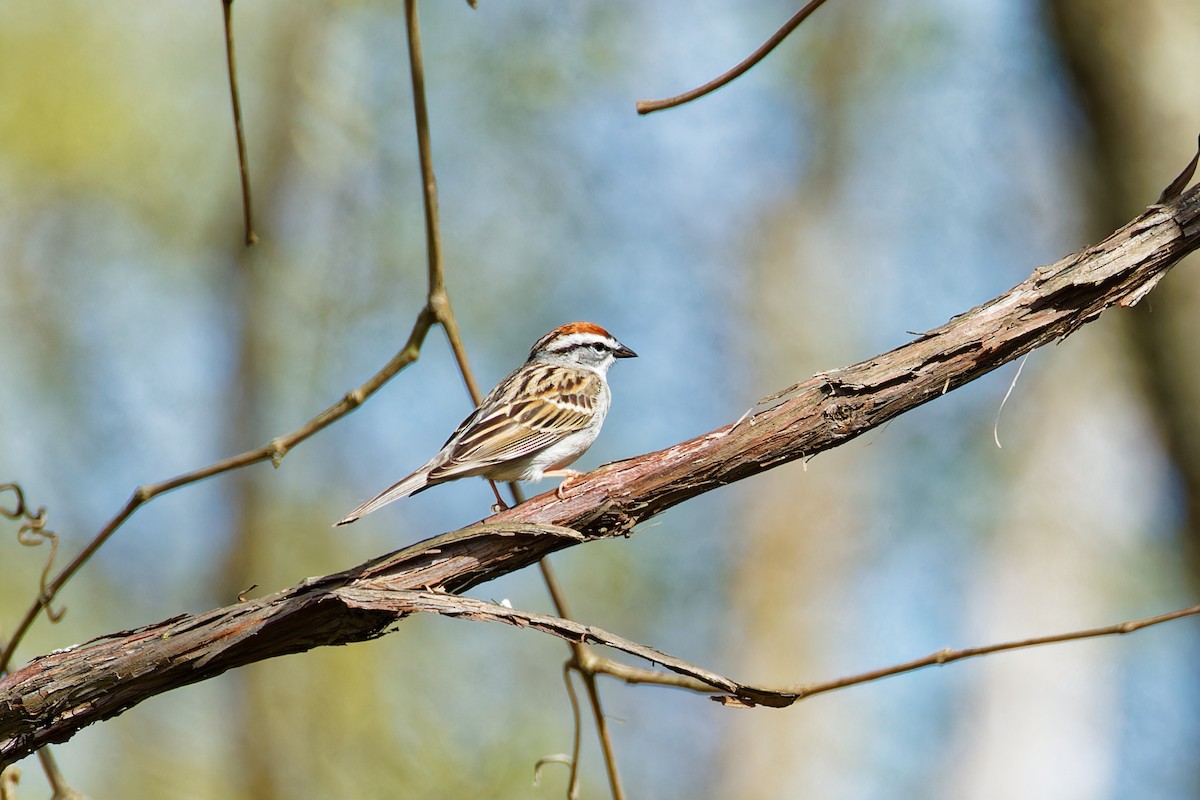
[{"x": 412, "y": 484}]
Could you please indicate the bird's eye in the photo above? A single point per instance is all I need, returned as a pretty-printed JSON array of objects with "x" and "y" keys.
[{"x": 598, "y": 346}]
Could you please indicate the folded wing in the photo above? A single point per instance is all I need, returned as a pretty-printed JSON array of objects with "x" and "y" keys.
[{"x": 537, "y": 412}]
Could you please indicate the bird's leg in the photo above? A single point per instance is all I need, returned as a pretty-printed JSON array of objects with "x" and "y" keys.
[
  {"x": 569, "y": 476},
  {"x": 500, "y": 504}
]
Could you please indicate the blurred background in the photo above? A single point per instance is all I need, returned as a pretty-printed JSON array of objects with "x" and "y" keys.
[{"x": 890, "y": 165}]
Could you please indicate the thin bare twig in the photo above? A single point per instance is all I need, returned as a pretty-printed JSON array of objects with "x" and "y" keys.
[
  {"x": 942, "y": 657},
  {"x": 33, "y": 533},
  {"x": 239, "y": 133},
  {"x": 58, "y": 782},
  {"x": 585, "y": 663},
  {"x": 372, "y": 594},
  {"x": 9, "y": 778},
  {"x": 650, "y": 106},
  {"x": 439, "y": 300},
  {"x": 560, "y": 758},
  {"x": 576, "y": 728},
  {"x": 375, "y": 596},
  {"x": 635, "y": 676},
  {"x": 274, "y": 452},
  {"x": 610, "y": 758}
]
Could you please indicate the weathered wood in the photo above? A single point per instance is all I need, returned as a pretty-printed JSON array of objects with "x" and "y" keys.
[{"x": 55, "y": 695}]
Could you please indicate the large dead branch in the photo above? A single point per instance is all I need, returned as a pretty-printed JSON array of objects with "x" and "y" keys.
[{"x": 57, "y": 694}]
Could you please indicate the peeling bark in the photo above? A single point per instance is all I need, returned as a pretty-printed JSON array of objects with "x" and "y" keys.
[{"x": 58, "y": 694}]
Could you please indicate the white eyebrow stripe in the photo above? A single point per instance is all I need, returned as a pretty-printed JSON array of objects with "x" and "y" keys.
[{"x": 576, "y": 339}]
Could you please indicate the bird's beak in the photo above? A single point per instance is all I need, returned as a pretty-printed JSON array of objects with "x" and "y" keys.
[{"x": 624, "y": 352}]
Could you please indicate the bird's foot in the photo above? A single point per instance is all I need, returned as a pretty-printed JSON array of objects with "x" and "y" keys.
[
  {"x": 499, "y": 505},
  {"x": 570, "y": 478}
]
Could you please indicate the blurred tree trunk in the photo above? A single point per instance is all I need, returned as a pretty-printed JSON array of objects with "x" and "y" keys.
[
  {"x": 258, "y": 722},
  {"x": 1051, "y": 556},
  {"x": 803, "y": 529},
  {"x": 253, "y": 725},
  {"x": 1131, "y": 64},
  {"x": 1133, "y": 67}
]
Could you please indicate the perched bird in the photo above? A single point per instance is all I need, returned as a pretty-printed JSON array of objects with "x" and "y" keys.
[{"x": 533, "y": 424}]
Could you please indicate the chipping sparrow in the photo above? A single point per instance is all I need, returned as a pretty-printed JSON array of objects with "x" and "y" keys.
[{"x": 533, "y": 424}]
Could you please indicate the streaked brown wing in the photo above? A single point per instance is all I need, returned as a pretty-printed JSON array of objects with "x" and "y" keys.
[{"x": 534, "y": 411}]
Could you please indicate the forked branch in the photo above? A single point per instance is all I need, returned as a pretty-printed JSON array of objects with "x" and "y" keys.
[{"x": 58, "y": 694}]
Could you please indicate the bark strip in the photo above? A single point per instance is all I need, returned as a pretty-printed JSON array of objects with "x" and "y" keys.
[{"x": 58, "y": 694}]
